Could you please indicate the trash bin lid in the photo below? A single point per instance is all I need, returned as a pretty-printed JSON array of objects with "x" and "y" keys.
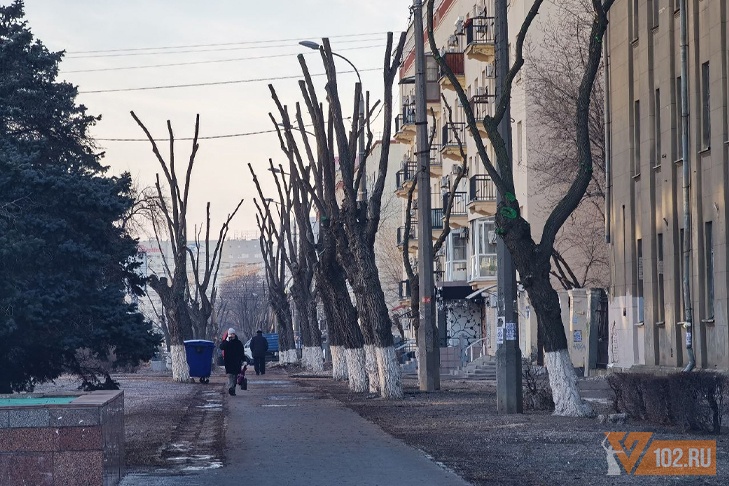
[{"x": 200, "y": 343}]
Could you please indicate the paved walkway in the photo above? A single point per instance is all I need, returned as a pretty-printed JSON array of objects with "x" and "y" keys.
[{"x": 279, "y": 433}]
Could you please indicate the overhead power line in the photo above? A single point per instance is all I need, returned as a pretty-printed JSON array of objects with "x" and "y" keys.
[
  {"x": 225, "y": 43},
  {"x": 208, "y": 61},
  {"x": 216, "y": 83}
]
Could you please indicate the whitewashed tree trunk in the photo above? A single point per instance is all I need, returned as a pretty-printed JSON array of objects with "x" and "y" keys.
[
  {"x": 371, "y": 365},
  {"x": 312, "y": 359},
  {"x": 339, "y": 363},
  {"x": 390, "y": 375},
  {"x": 356, "y": 368},
  {"x": 288, "y": 357},
  {"x": 180, "y": 370},
  {"x": 563, "y": 381}
]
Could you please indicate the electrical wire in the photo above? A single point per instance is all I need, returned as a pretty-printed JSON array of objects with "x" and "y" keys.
[
  {"x": 215, "y": 83},
  {"x": 308, "y": 52},
  {"x": 222, "y": 44}
]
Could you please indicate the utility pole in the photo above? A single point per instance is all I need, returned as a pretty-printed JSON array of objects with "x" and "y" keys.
[
  {"x": 428, "y": 348},
  {"x": 508, "y": 354},
  {"x": 362, "y": 192}
]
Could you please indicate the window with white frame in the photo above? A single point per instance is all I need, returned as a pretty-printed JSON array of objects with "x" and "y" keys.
[
  {"x": 483, "y": 255},
  {"x": 456, "y": 256}
]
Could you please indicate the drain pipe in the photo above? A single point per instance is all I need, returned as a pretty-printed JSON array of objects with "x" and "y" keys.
[
  {"x": 607, "y": 140},
  {"x": 688, "y": 311}
]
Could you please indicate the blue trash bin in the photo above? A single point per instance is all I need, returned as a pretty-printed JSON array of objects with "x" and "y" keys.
[{"x": 200, "y": 358}]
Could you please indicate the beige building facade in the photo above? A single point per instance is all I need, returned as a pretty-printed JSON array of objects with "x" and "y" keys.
[
  {"x": 645, "y": 206},
  {"x": 466, "y": 266}
]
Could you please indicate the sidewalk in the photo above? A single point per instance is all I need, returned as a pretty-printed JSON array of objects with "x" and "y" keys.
[{"x": 280, "y": 433}]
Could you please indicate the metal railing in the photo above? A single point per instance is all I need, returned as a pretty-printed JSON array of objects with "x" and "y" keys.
[
  {"x": 480, "y": 30},
  {"x": 401, "y": 233},
  {"x": 436, "y": 218},
  {"x": 448, "y": 137},
  {"x": 481, "y": 188},
  {"x": 460, "y": 203},
  {"x": 454, "y": 60},
  {"x": 407, "y": 173},
  {"x": 469, "y": 353}
]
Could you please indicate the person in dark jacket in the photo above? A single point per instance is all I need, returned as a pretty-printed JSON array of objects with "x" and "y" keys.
[
  {"x": 233, "y": 356},
  {"x": 259, "y": 346}
]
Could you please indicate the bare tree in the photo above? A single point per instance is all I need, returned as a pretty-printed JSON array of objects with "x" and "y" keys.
[
  {"x": 345, "y": 336},
  {"x": 555, "y": 68},
  {"x": 243, "y": 303},
  {"x": 532, "y": 259},
  {"x": 360, "y": 219}
]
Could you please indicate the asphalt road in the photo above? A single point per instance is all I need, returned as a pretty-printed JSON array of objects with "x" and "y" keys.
[{"x": 279, "y": 433}]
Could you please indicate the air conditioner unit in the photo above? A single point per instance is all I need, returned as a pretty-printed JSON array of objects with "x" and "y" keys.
[
  {"x": 445, "y": 182},
  {"x": 452, "y": 41},
  {"x": 489, "y": 70},
  {"x": 456, "y": 170},
  {"x": 492, "y": 237},
  {"x": 482, "y": 91}
]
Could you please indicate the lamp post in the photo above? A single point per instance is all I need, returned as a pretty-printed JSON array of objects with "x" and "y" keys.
[{"x": 362, "y": 190}]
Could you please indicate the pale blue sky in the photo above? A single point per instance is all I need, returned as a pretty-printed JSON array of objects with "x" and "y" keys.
[{"x": 220, "y": 175}]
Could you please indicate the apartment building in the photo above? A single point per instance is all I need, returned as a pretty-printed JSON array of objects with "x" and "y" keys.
[
  {"x": 645, "y": 212},
  {"x": 466, "y": 266}
]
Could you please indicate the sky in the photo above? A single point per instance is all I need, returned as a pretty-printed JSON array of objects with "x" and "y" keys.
[{"x": 114, "y": 47}]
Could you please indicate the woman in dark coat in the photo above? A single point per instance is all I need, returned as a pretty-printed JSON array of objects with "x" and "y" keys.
[{"x": 233, "y": 356}]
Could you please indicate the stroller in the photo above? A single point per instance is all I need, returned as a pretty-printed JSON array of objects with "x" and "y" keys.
[{"x": 242, "y": 380}]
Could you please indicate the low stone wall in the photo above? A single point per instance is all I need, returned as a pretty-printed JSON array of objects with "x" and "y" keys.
[{"x": 79, "y": 443}]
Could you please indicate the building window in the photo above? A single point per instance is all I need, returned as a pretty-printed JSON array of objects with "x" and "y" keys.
[
  {"x": 634, "y": 19},
  {"x": 705, "y": 108},
  {"x": 656, "y": 10},
  {"x": 456, "y": 258},
  {"x": 709, "y": 256},
  {"x": 483, "y": 256},
  {"x": 661, "y": 289},
  {"x": 636, "y": 138},
  {"x": 639, "y": 280},
  {"x": 657, "y": 126},
  {"x": 519, "y": 143}
]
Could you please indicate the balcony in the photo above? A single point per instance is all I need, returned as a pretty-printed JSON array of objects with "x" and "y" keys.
[
  {"x": 412, "y": 238},
  {"x": 436, "y": 221},
  {"x": 482, "y": 103},
  {"x": 436, "y": 162},
  {"x": 459, "y": 212},
  {"x": 450, "y": 135},
  {"x": 405, "y": 177},
  {"x": 480, "y": 39},
  {"x": 404, "y": 290},
  {"x": 454, "y": 60},
  {"x": 482, "y": 195},
  {"x": 405, "y": 122},
  {"x": 483, "y": 267}
]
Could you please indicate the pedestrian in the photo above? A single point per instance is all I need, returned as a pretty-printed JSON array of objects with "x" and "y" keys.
[
  {"x": 259, "y": 346},
  {"x": 233, "y": 356}
]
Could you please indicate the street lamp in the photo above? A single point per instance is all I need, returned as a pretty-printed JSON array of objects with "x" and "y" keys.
[{"x": 362, "y": 191}]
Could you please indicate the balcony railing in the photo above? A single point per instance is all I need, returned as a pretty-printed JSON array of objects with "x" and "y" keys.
[
  {"x": 404, "y": 290},
  {"x": 435, "y": 158},
  {"x": 436, "y": 218},
  {"x": 483, "y": 103},
  {"x": 448, "y": 134},
  {"x": 407, "y": 173},
  {"x": 459, "y": 203},
  {"x": 401, "y": 233},
  {"x": 480, "y": 30},
  {"x": 481, "y": 188}
]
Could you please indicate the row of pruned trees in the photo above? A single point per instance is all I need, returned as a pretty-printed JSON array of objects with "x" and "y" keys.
[{"x": 329, "y": 263}]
